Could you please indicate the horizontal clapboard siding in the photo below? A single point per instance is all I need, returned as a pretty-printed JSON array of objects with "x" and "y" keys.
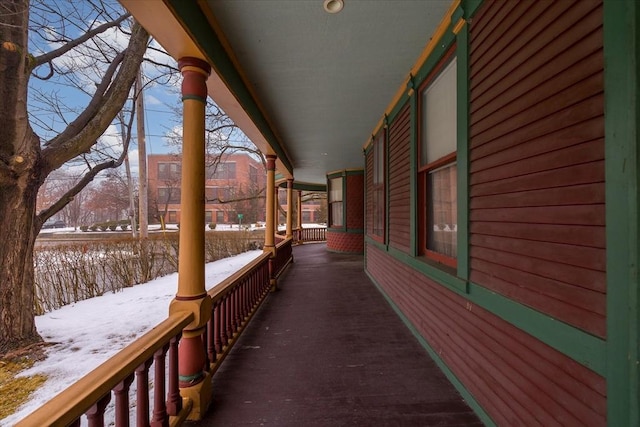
[
  {"x": 369, "y": 191},
  {"x": 516, "y": 378},
  {"x": 537, "y": 215},
  {"x": 399, "y": 190}
]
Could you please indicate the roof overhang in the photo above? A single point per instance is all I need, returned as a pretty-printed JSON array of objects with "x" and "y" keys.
[{"x": 306, "y": 85}]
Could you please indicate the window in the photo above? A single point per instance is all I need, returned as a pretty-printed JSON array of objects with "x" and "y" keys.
[
  {"x": 253, "y": 174},
  {"x": 219, "y": 217},
  {"x": 169, "y": 171},
  {"x": 168, "y": 195},
  {"x": 379, "y": 202},
  {"x": 214, "y": 195},
  {"x": 336, "y": 218},
  {"x": 437, "y": 180},
  {"x": 221, "y": 171},
  {"x": 173, "y": 217},
  {"x": 208, "y": 217}
]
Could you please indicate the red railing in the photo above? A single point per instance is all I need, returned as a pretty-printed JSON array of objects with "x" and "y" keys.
[
  {"x": 283, "y": 256},
  {"x": 316, "y": 234},
  {"x": 234, "y": 302},
  {"x": 92, "y": 393}
]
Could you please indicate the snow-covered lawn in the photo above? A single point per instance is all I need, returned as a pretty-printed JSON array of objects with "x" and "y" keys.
[{"x": 85, "y": 334}]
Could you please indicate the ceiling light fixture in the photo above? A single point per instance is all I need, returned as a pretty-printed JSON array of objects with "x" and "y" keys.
[{"x": 333, "y": 6}]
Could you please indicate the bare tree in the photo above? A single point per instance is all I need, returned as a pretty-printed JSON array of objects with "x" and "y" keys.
[{"x": 60, "y": 36}]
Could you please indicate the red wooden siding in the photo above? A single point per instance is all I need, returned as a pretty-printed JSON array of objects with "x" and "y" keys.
[
  {"x": 369, "y": 188},
  {"x": 355, "y": 202},
  {"x": 516, "y": 378},
  {"x": 537, "y": 215},
  {"x": 399, "y": 190}
]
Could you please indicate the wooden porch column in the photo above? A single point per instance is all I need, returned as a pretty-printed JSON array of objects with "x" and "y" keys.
[
  {"x": 299, "y": 218},
  {"x": 289, "y": 208},
  {"x": 270, "y": 231},
  {"x": 195, "y": 381}
]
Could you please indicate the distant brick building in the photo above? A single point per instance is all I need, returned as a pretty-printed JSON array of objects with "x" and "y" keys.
[{"x": 234, "y": 185}]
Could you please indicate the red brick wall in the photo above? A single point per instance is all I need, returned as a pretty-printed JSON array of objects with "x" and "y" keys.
[
  {"x": 345, "y": 242},
  {"x": 353, "y": 241}
]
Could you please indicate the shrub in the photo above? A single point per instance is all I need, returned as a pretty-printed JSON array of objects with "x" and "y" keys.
[
  {"x": 113, "y": 227},
  {"x": 212, "y": 225},
  {"x": 94, "y": 227},
  {"x": 84, "y": 228},
  {"x": 124, "y": 227}
]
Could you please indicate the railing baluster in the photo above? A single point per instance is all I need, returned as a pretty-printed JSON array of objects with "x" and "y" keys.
[
  {"x": 95, "y": 415},
  {"x": 223, "y": 321},
  {"x": 217, "y": 328},
  {"x": 174, "y": 400},
  {"x": 228, "y": 312},
  {"x": 210, "y": 338},
  {"x": 76, "y": 423},
  {"x": 121, "y": 392},
  {"x": 160, "y": 418},
  {"x": 142, "y": 394}
]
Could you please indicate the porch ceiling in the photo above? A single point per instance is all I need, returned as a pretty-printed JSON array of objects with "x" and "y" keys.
[{"x": 294, "y": 76}]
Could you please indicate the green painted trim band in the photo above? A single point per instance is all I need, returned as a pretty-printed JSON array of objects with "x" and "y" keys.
[
  {"x": 466, "y": 395},
  {"x": 350, "y": 172},
  {"x": 337, "y": 174},
  {"x": 194, "y": 98},
  {"x": 346, "y": 230},
  {"x": 580, "y": 346},
  {"x": 199, "y": 29},
  {"x": 462, "y": 159},
  {"x": 448, "y": 39},
  {"x": 471, "y": 7},
  {"x": 190, "y": 378},
  {"x": 621, "y": 29},
  {"x": 413, "y": 176}
]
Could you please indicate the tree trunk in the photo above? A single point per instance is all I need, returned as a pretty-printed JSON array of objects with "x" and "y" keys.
[
  {"x": 17, "y": 207},
  {"x": 19, "y": 182}
]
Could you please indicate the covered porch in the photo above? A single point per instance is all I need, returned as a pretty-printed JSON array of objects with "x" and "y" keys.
[{"x": 328, "y": 349}]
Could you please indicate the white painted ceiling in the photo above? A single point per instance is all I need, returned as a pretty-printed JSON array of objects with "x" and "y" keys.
[{"x": 324, "y": 80}]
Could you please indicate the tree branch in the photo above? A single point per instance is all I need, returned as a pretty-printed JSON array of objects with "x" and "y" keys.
[
  {"x": 83, "y": 133},
  {"x": 50, "y": 56}
]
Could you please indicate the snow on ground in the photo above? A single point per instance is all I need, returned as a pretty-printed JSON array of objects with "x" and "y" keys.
[{"x": 87, "y": 333}]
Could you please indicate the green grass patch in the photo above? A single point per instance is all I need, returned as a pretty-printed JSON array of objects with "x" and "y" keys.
[{"x": 14, "y": 390}]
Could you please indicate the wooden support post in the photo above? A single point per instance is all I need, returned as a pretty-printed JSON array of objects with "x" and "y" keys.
[
  {"x": 299, "y": 218},
  {"x": 289, "y": 208},
  {"x": 270, "y": 231},
  {"x": 195, "y": 381}
]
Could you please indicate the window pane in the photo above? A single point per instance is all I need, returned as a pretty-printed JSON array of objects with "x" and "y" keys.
[
  {"x": 335, "y": 190},
  {"x": 439, "y": 132},
  {"x": 336, "y": 214},
  {"x": 442, "y": 227}
]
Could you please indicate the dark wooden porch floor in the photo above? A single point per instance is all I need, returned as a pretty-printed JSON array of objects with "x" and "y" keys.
[{"x": 327, "y": 350}]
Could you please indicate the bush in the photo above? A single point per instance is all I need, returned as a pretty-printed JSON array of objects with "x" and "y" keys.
[
  {"x": 94, "y": 227},
  {"x": 69, "y": 273},
  {"x": 84, "y": 228},
  {"x": 124, "y": 227},
  {"x": 113, "y": 227},
  {"x": 212, "y": 225}
]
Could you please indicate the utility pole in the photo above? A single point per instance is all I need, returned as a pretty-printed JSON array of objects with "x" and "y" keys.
[
  {"x": 142, "y": 160},
  {"x": 132, "y": 202}
]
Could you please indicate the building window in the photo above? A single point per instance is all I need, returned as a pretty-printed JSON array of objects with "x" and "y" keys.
[
  {"x": 215, "y": 195},
  {"x": 437, "y": 179},
  {"x": 173, "y": 217},
  {"x": 219, "y": 217},
  {"x": 169, "y": 195},
  {"x": 379, "y": 200},
  {"x": 221, "y": 170},
  {"x": 253, "y": 175},
  {"x": 208, "y": 217},
  {"x": 335, "y": 202},
  {"x": 169, "y": 171}
]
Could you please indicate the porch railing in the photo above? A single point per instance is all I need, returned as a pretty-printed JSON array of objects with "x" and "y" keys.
[
  {"x": 92, "y": 393},
  {"x": 235, "y": 300},
  {"x": 315, "y": 234}
]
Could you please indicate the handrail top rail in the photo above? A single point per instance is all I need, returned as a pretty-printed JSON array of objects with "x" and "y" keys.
[
  {"x": 284, "y": 242},
  {"x": 73, "y": 402},
  {"x": 217, "y": 292}
]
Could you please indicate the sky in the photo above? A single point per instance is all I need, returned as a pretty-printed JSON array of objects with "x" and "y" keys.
[{"x": 85, "y": 334}]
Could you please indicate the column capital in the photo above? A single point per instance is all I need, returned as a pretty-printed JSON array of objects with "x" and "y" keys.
[
  {"x": 194, "y": 78},
  {"x": 271, "y": 162}
]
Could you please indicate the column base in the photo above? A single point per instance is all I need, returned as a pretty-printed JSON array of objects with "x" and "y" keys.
[
  {"x": 200, "y": 395},
  {"x": 274, "y": 285}
]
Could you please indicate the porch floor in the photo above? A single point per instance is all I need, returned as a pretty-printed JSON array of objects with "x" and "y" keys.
[{"x": 327, "y": 350}]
